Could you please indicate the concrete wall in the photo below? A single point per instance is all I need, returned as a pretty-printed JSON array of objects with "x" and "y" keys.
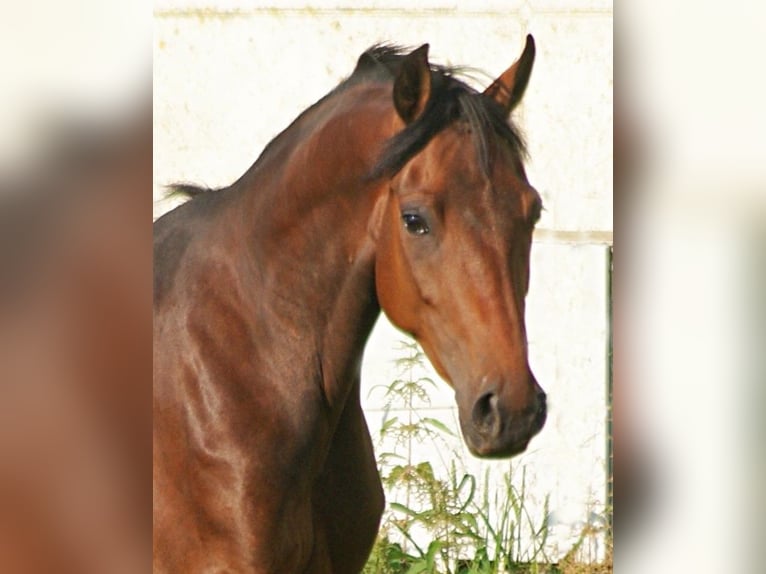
[{"x": 229, "y": 75}]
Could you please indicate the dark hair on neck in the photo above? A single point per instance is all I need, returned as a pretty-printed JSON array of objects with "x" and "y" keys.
[{"x": 451, "y": 100}]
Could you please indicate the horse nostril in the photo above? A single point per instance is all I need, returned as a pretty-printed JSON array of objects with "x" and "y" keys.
[{"x": 485, "y": 412}]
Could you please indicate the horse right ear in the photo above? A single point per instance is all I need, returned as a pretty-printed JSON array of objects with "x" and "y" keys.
[{"x": 412, "y": 86}]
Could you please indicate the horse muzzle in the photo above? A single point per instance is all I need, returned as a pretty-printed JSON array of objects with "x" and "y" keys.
[{"x": 493, "y": 430}]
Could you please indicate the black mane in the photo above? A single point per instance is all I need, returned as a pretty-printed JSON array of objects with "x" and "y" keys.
[{"x": 451, "y": 100}]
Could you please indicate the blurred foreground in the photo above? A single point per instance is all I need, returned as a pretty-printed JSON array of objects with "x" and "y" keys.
[
  {"x": 75, "y": 355},
  {"x": 690, "y": 178},
  {"x": 75, "y": 291}
]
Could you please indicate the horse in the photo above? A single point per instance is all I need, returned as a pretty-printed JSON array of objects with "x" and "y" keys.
[{"x": 402, "y": 190}]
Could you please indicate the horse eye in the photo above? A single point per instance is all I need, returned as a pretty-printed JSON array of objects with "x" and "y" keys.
[{"x": 415, "y": 224}]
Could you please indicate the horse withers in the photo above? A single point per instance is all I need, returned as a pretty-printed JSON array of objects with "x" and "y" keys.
[{"x": 403, "y": 190}]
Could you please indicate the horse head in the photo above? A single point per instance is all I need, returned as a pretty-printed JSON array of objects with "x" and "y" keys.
[{"x": 453, "y": 246}]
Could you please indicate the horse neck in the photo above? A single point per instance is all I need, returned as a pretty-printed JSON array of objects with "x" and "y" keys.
[{"x": 310, "y": 203}]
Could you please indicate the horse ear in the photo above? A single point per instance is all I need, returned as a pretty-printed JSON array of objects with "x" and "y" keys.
[
  {"x": 412, "y": 86},
  {"x": 508, "y": 89}
]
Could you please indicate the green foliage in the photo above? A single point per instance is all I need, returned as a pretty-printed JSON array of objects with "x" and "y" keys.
[{"x": 473, "y": 526}]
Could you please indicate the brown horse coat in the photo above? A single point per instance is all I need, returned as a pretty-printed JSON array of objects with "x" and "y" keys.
[{"x": 403, "y": 189}]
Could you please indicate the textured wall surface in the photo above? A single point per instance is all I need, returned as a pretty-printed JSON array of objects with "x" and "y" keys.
[{"x": 229, "y": 75}]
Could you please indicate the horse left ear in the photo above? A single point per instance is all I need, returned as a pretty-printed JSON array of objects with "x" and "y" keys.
[
  {"x": 412, "y": 86},
  {"x": 508, "y": 89}
]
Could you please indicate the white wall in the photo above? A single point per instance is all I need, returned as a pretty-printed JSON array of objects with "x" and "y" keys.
[{"x": 229, "y": 75}]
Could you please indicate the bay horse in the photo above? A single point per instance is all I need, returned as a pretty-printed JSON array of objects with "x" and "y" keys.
[{"x": 403, "y": 189}]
